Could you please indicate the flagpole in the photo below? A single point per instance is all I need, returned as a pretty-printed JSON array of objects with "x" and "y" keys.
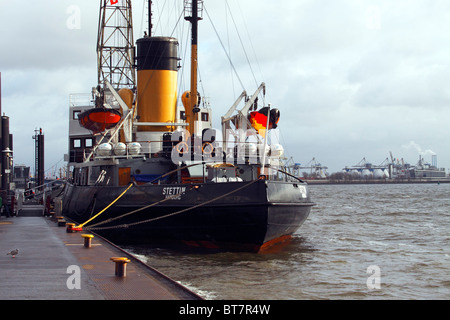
[{"x": 263, "y": 160}]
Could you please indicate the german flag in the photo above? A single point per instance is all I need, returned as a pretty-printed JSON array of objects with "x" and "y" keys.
[{"x": 258, "y": 120}]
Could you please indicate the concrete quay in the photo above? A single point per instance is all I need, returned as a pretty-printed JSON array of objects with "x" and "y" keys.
[{"x": 55, "y": 265}]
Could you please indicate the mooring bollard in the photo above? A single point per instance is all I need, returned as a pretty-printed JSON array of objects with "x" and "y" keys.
[
  {"x": 121, "y": 266},
  {"x": 70, "y": 227},
  {"x": 87, "y": 240}
]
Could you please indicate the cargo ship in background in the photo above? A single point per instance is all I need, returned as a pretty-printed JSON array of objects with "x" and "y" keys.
[{"x": 147, "y": 171}]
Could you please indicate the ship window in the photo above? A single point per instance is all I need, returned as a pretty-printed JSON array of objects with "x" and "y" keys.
[
  {"x": 205, "y": 116},
  {"x": 77, "y": 143},
  {"x": 75, "y": 114},
  {"x": 88, "y": 143}
]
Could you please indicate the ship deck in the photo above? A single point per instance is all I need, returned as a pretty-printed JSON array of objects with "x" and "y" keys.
[{"x": 49, "y": 257}]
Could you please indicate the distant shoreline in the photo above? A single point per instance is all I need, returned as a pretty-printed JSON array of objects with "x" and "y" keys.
[{"x": 377, "y": 181}]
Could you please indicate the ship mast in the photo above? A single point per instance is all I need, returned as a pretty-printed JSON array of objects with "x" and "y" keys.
[
  {"x": 193, "y": 8},
  {"x": 150, "y": 18}
]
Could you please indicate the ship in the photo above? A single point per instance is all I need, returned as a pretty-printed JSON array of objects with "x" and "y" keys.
[{"x": 148, "y": 175}]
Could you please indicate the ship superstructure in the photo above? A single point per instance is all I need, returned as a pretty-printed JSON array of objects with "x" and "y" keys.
[{"x": 146, "y": 171}]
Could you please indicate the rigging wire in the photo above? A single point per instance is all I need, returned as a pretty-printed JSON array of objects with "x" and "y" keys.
[
  {"x": 229, "y": 50},
  {"x": 171, "y": 35},
  {"x": 224, "y": 49},
  {"x": 242, "y": 43},
  {"x": 160, "y": 11},
  {"x": 250, "y": 40},
  {"x": 141, "y": 30}
]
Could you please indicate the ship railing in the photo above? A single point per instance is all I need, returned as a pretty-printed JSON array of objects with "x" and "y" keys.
[
  {"x": 40, "y": 192},
  {"x": 199, "y": 173},
  {"x": 236, "y": 152},
  {"x": 124, "y": 156},
  {"x": 81, "y": 100},
  {"x": 282, "y": 175},
  {"x": 274, "y": 168}
]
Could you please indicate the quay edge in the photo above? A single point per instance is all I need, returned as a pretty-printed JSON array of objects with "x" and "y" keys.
[{"x": 41, "y": 270}]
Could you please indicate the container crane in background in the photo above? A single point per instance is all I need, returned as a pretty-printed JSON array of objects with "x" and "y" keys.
[
  {"x": 365, "y": 169},
  {"x": 316, "y": 170}
]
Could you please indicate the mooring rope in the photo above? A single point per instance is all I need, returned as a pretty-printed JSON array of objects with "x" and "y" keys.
[
  {"x": 173, "y": 213},
  {"x": 131, "y": 212},
  {"x": 107, "y": 207},
  {"x": 123, "y": 193}
]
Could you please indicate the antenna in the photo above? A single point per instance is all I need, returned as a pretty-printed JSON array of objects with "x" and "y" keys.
[{"x": 115, "y": 44}]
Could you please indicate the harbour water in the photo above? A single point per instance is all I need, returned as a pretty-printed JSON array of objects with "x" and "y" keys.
[{"x": 360, "y": 242}]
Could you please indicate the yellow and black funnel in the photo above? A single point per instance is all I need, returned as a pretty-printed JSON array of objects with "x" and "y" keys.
[{"x": 157, "y": 76}]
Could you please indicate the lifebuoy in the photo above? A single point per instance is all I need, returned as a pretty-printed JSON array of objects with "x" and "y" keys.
[
  {"x": 207, "y": 148},
  {"x": 182, "y": 147}
]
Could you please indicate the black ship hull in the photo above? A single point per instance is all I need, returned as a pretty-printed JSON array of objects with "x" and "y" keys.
[{"x": 243, "y": 216}]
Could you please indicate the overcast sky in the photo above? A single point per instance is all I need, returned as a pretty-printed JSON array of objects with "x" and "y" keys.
[{"x": 352, "y": 78}]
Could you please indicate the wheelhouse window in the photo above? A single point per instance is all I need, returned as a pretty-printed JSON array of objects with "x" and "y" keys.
[
  {"x": 75, "y": 114},
  {"x": 88, "y": 143},
  {"x": 76, "y": 143}
]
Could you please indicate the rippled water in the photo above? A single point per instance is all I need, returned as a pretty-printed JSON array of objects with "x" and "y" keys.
[{"x": 402, "y": 230}]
